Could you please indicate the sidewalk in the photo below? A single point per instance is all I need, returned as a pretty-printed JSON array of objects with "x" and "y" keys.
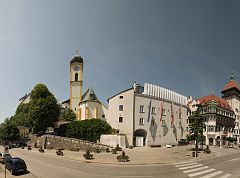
[{"x": 137, "y": 155}]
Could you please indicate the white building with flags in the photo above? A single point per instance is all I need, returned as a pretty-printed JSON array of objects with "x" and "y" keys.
[{"x": 149, "y": 115}]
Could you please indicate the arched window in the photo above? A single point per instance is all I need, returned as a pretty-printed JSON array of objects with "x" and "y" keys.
[{"x": 76, "y": 76}]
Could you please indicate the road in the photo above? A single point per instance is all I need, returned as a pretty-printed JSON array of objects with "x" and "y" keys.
[{"x": 45, "y": 166}]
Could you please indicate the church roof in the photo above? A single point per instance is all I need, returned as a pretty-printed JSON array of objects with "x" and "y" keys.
[
  {"x": 67, "y": 101},
  {"x": 220, "y": 102},
  {"x": 76, "y": 58},
  {"x": 89, "y": 95}
]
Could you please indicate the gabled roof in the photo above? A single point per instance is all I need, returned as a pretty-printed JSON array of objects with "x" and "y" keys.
[
  {"x": 89, "y": 95},
  {"x": 231, "y": 84},
  {"x": 220, "y": 102},
  {"x": 24, "y": 97},
  {"x": 67, "y": 101}
]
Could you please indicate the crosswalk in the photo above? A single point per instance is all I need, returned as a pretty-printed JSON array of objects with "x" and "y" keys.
[{"x": 194, "y": 169}]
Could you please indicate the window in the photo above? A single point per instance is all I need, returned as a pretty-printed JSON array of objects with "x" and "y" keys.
[
  {"x": 120, "y": 107},
  {"x": 121, "y": 97},
  {"x": 76, "y": 76},
  {"x": 141, "y": 121},
  {"x": 141, "y": 109},
  {"x": 152, "y": 122},
  {"x": 164, "y": 112},
  {"x": 103, "y": 116},
  {"x": 153, "y": 110},
  {"x": 120, "y": 119}
]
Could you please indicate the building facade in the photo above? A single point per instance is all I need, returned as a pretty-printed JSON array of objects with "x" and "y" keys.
[
  {"x": 87, "y": 105},
  {"x": 219, "y": 118},
  {"x": 231, "y": 93},
  {"x": 91, "y": 107},
  {"x": 149, "y": 115}
]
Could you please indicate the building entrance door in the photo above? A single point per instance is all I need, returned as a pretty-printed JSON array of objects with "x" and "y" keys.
[{"x": 139, "y": 141}]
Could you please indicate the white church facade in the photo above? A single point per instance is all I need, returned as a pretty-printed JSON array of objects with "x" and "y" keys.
[{"x": 87, "y": 105}]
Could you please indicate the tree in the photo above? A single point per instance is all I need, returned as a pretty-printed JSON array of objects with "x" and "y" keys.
[
  {"x": 196, "y": 127},
  {"x": 21, "y": 115},
  {"x": 90, "y": 129},
  {"x": 43, "y": 110},
  {"x": 67, "y": 115},
  {"x": 9, "y": 131}
]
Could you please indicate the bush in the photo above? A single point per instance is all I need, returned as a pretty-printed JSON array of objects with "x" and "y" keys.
[
  {"x": 87, "y": 155},
  {"x": 117, "y": 148},
  {"x": 29, "y": 147},
  {"x": 207, "y": 150},
  {"x": 98, "y": 150},
  {"x": 59, "y": 152},
  {"x": 107, "y": 150},
  {"x": 114, "y": 151},
  {"x": 123, "y": 157},
  {"x": 89, "y": 129},
  {"x": 41, "y": 150}
]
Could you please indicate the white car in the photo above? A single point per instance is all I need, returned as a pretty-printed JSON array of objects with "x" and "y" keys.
[{"x": 3, "y": 156}]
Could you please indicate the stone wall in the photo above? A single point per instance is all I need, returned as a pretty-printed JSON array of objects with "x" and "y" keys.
[{"x": 56, "y": 142}]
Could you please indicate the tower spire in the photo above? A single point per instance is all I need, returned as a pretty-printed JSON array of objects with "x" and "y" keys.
[
  {"x": 77, "y": 51},
  {"x": 232, "y": 76}
]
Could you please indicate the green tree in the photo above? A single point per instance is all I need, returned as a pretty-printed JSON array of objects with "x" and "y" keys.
[
  {"x": 9, "y": 131},
  {"x": 43, "y": 110},
  {"x": 90, "y": 129},
  {"x": 67, "y": 115},
  {"x": 21, "y": 115},
  {"x": 196, "y": 127}
]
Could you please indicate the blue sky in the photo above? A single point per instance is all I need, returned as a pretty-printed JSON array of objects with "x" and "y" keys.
[{"x": 188, "y": 46}]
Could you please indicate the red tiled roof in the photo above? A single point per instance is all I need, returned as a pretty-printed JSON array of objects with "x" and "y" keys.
[
  {"x": 231, "y": 84},
  {"x": 221, "y": 102}
]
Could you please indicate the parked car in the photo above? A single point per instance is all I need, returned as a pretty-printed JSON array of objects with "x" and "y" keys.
[
  {"x": 4, "y": 156},
  {"x": 15, "y": 165}
]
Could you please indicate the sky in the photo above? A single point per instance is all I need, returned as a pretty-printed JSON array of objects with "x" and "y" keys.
[{"x": 191, "y": 47}]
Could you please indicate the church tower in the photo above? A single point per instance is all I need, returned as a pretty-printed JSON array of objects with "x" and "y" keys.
[
  {"x": 76, "y": 76},
  {"x": 231, "y": 93}
]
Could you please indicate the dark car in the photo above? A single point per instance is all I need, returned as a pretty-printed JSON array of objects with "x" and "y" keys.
[{"x": 15, "y": 165}]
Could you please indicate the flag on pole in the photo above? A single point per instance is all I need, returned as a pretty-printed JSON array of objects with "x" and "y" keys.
[
  {"x": 161, "y": 109},
  {"x": 172, "y": 115},
  {"x": 180, "y": 113},
  {"x": 149, "y": 110}
]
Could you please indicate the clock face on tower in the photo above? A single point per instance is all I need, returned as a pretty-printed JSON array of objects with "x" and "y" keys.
[{"x": 76, "y": 68}]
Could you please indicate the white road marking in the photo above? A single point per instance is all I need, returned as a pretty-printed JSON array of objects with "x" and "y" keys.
[
  {"x": 226, "y": 176},
  {"x": 135, "y": 176},
  {"x": 182, "y": 165},
  {"x": 212, "y": 175},
  {"x": 189, "y": 167},
  {"x": 199, "y": 173},
  {"x": 197, "y": 169},
  {"x": 183, "y": 162}
]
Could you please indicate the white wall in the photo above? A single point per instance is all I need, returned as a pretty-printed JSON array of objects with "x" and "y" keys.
[
  {"x": 155, "y": 134},
  {"x": 126, "y": 126},
  {"x": 91, "y": 105}
]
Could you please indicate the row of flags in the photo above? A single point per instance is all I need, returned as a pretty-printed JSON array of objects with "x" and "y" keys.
[{"x": 161, "y": 112}]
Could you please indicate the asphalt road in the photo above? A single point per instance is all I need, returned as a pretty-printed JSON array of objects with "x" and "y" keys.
[{"x": 44, "y": 166}]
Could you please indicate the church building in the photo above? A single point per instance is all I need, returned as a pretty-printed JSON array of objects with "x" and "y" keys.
[{"x": 87, "y": 105}]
